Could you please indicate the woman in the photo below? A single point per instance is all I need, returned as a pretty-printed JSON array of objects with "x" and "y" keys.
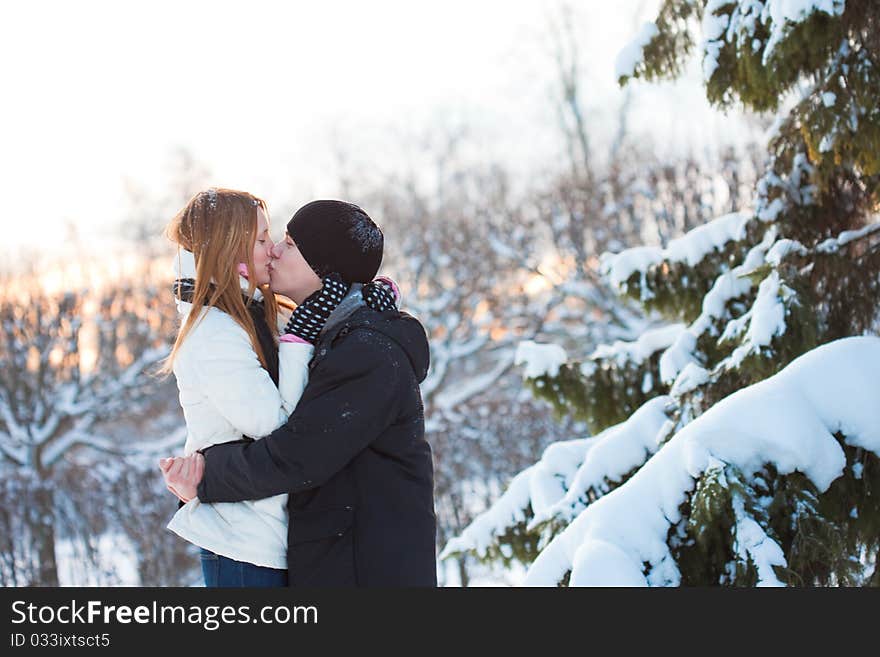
[{"x": 235, "y": 378}]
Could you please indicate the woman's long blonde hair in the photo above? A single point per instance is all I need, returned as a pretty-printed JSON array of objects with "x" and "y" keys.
[{"x": 219, "y": 227}]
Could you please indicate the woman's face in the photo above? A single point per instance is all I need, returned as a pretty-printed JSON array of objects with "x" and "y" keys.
[
  {"x": 290, "y": 274},
  {"x": 262, "y": 254}
]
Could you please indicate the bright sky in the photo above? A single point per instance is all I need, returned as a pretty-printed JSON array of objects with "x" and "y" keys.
[{"x": 96, "y": 93}]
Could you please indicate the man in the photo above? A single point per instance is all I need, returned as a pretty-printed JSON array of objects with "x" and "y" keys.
[{"x": 352, "y": 456}]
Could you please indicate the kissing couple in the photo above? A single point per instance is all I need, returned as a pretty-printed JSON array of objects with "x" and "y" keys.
[{"x": 305, "y": 462}]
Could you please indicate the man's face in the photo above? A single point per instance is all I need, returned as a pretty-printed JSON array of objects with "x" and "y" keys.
[{"x": 290, "y": 274}]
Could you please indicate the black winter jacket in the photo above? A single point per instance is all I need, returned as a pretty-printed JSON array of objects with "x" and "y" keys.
[{"x": 352, "y": 457}]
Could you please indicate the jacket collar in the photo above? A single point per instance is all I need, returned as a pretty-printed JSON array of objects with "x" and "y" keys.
[
  {"x": 401, "y": 327},
  {"x": 353, "y": 300}
]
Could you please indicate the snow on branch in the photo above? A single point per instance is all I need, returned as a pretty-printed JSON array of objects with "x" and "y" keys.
[
  {"x": 765, "y": 320},
  {"x": 508, "y": 510},
  {"x": 788, "y": 420},
  {"x": 536, "y": 487},
  {"x": 170, "y": 444},
  {"x": 561, "y": 479},
  {"x": 633, "y": 53},
  {"x": 638, "y": 351},
  {"x": 155, "y": 447},
  {"x": 539, "y": 359},
  {"x": 691, "y": 248},
  {"x": 782, "y": 249},
  {"x": 754, "y": 545},
  {"x": 782, "y": 15},
  {"x": 615, "y": 453},
  {"x": 729, "y": 285},
  {"x": 834, "y": 244},
  {"x": 744, "y": 21},
  {"x": 57, "y": 449},
  {"x": 16, "y": 454},
  {"x": 14, "y": 430},
  {"x": 449, "y": 399}
]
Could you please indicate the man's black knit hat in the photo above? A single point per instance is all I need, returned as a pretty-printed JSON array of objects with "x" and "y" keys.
[{"x": 335, "y": 236}]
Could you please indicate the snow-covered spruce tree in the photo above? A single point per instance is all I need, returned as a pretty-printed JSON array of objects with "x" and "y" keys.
[{"x": 737, "y": 445}]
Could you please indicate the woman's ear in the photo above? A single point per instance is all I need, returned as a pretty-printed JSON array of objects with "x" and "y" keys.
[{"x": 242, "y": 269}]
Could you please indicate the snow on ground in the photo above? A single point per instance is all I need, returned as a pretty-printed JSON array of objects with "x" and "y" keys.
[
  {"x": 787, "y": 420},
  {"x": 116, "y": 563},
  {"x": 482, "y": 575}
]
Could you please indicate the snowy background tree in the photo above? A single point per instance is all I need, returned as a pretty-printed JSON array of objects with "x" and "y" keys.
[
  {"x": 736, "y": 441},
  {"x": 75, "y": 387}
]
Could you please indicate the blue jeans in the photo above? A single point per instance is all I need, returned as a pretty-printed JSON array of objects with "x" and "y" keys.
[{"x": 224, "y": 572}]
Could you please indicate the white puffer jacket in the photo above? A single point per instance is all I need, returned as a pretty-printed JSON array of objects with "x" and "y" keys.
[{"x": 225, "y": 394}]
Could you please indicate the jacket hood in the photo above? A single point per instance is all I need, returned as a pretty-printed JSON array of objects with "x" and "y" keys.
[
  {"x": 406, "y": 331},
  {"x": 403, "y": 328}
]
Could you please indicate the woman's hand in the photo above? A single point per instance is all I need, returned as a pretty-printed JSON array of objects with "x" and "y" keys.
[{"x": 183, "y": 474}]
